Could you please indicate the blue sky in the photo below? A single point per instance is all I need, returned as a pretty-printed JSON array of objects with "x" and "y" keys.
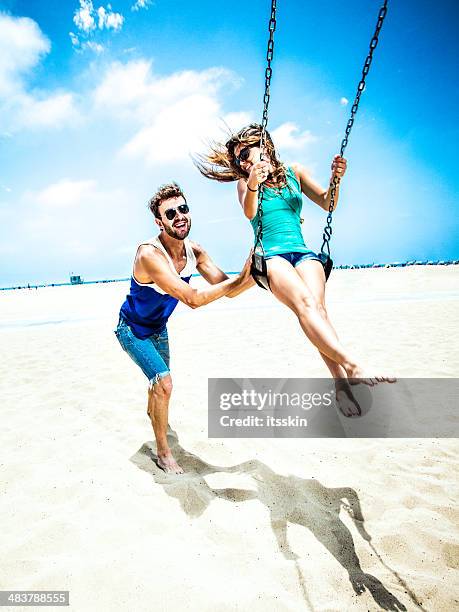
[{"x": 101, "y": 103}]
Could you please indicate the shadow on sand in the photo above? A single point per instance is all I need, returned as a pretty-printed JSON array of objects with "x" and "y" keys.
[{"x": 289, "y": 499}]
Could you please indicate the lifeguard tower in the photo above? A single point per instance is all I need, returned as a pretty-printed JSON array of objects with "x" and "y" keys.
[{"x": 75, "y": 279}]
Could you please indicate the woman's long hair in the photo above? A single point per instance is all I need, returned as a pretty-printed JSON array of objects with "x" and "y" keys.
[{"x": 220, "y": 163}]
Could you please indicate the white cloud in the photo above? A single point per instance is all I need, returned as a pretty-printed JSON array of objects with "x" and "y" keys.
[
  {"x": 141, "y": 4},
  {"x": 176, "y": 130},
  {"x": 52, "y": 111},
  {"x": 124, "y": 86},
  {"x": 101, "y": 14},
  {"x": 88, "y": 19},
  {"x": 64, "y": 194},
  {"x": 96, "y": 47},
  {"x": 80, "y": 46},
  {"x": 287, "y": 136},
  {"x": 108, "y": 19},
  {"x": 135, "y": 89},
  {"x": 344, "y": 101},
  {"x": 83, "y": 17},
  {"x": 67, "y": 216},
  {"x": 75, "y": 40},
  {"x": 174, "y": 114},
  {"x": 22, "y": 46},
  {"x": 235, "y": 121}
]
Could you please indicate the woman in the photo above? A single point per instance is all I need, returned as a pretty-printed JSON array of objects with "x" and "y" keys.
[{"x": 295, "y": 273}]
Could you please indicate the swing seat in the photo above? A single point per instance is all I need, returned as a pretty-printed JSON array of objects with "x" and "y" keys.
[
  {"x": 327, "y": 263},
  {"x": 259, "y": 271}
]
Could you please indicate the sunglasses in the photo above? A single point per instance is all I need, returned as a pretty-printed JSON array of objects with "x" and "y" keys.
[
  {"x": 244, "y": 154},
  {"x": 171, "y": 212}
]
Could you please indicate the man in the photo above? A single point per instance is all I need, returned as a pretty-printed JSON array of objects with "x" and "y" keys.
[{"x": 162, "y": 270}]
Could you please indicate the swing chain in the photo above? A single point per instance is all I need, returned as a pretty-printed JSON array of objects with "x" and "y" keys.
[
  {"x": 264, "y": 121},
  {"x": 268, "y": 71},
  {"x": 360, "y": 88}
]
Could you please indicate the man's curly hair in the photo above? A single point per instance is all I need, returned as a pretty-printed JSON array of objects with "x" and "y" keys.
[{"x": 170, "y": 190}]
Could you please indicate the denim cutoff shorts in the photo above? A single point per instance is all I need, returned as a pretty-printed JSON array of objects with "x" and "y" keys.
[
  {"x": 296, "y": 258},
  {"x": 151, "y": 355}
]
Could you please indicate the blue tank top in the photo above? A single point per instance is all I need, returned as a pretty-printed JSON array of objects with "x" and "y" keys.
[{"x": 147, "y": 307}]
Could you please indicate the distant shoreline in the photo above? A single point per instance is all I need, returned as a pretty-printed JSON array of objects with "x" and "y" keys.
[{"x": 396, "y": 264}]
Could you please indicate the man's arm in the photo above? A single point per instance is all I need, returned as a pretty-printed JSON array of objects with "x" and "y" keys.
[
  {"x": 155, "y": 265},
  {"x": 242, "y": 287},
  {"x": 206, "y": 266},
  {"x": 212, "y": 273}
]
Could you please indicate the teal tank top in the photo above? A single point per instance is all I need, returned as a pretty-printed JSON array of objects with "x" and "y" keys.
[{"x": 281, "y": 218}]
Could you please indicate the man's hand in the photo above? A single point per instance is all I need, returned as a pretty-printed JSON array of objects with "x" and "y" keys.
[
  {"x": 245, "y": 272},
  {"x": 244, "y": 280}
]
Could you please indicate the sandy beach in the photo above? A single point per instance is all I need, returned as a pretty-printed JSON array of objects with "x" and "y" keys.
[{"x": 253, "y": 524}]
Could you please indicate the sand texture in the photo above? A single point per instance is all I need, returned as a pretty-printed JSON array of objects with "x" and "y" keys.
[{"x": 259, "y": 525}]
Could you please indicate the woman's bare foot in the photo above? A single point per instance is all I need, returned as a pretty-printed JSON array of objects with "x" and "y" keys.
[
  {"x": 345, "y": 399},
  {"x": 358, "y": 376},
  {"x": 167, "y": 463}
]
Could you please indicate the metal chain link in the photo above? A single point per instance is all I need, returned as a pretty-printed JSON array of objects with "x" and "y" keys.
[
  {"x": 360, "y": 88},
  {"x": 264, "y": 121}
]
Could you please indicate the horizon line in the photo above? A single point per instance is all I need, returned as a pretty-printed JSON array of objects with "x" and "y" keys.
[{"x": 396, "y": 264}]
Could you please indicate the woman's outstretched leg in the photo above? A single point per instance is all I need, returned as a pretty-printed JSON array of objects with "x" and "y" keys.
[
  {"x": 290, "y": 289},
  {"x": 312, "y": 274}
]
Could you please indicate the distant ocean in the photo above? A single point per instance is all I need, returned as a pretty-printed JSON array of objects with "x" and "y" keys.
[{"x": 396, "y": 264}]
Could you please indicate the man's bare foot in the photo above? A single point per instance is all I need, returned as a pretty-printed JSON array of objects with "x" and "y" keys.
[
  {"x": 358, "y": 376},
  {"x": 346, "y": 401},
  {"x": 167, "y": 463}
]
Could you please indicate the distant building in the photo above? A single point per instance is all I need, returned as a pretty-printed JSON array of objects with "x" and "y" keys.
[{"x": 76, "y": 279}]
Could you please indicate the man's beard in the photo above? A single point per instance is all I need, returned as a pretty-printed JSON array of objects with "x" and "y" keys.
[{"x": 178, "y": 234}]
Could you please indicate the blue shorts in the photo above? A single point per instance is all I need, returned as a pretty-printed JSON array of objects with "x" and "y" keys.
[
  {"x": 151, "y": 354},
  {"x": 296, "y": 258}
]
